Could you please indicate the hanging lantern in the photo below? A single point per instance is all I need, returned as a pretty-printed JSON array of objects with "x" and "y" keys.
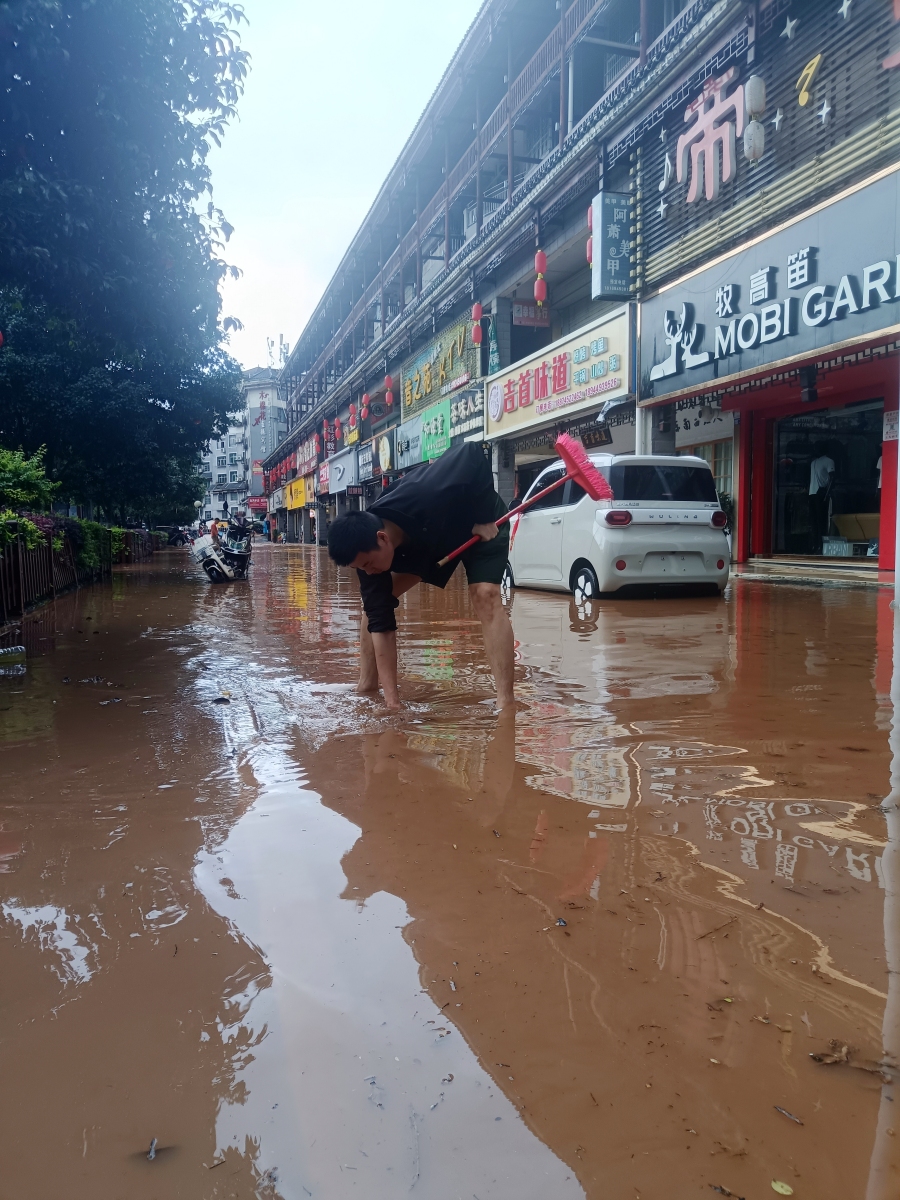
[
  {"x": 318, "y": 444},
  {"x": 477, "y": 311},
  {"x": 591, "y": 217},
  {"x": 389, "y": 399},
  {"x": 388, "y": 383},
  {"x": 365, "y": 407},
  {"x": 754, "y": 141},
  {"x": 477, "y": 334},
  {"x": 590, "y": 250},
  {"x": 540, "y": 284},
  {"x": 755, "y": 96},
  {"x": 352, "y": 410}
]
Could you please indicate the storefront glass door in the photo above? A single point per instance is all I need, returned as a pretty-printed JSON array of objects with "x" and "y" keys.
[{"x": 828, "y": 482}]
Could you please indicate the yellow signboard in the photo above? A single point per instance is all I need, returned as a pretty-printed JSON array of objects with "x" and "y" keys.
[
  {"x": 295, "y": 493},
  {"x": 576, "y": 373}
]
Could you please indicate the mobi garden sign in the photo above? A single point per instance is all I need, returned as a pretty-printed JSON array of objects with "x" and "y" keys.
[{"x": 821, "y": 281}]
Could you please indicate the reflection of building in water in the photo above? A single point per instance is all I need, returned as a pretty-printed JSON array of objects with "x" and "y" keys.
[
  {"x": 590, "y": 774},
  {"x": 459, "y": 756}
]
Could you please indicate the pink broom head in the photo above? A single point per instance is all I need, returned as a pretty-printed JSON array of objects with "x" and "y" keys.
[{"x": 580, "y": 468}]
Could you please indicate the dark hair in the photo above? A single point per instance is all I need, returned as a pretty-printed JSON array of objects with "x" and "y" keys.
[{"x": 352, "y": 534}]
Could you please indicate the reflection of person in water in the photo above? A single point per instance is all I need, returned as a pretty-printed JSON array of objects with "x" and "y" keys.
[
  {"x": 821, "y": 478},
  {"x": 398, "y": 543}
]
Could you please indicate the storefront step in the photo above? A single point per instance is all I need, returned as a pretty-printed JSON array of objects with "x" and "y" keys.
[{"x": 797, "y": 569}]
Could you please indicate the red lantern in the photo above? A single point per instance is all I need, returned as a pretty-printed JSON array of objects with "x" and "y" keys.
[
  {"x": 388, "y": 383},
  {"x": 364, "y": 414},
  {"x": 591, "y": 218},
  {"x": 590, "y": 250},
  {"x": 365, "y": 407},
  {"x": 477, "y": 335},
  {"x": 352, "y": 410},
  {"x": 540, "y": 284},
  {"x": 318, "y": 444},
  {"x": 477, "y": 311},
  {"x": 352, "y": 421},
  {"x": 389, "y": 399}
]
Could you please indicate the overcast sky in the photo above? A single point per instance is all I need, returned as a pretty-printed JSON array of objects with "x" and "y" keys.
[{"x": 335, "y": 89}]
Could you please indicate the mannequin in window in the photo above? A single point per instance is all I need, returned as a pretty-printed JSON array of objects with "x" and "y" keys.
[{"x": 821, "y": 478}]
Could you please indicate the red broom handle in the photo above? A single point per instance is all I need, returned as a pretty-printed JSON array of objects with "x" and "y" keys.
[{"x": 502, "y": 520}]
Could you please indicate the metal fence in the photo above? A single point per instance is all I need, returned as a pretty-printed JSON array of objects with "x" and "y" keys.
[{"x": 30, "y": 577}]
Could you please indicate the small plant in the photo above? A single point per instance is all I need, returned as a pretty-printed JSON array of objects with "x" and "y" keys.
[{"x": 13, "y": 526}]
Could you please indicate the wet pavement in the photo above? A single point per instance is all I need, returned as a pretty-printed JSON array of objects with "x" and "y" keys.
[{"x": 314, "y": 950}]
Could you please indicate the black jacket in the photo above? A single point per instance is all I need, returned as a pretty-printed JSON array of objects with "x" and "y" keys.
[{"x": 435, "y": 506}]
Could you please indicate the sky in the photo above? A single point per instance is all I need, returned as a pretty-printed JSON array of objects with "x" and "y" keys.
[{"x": 335, "y": 89}]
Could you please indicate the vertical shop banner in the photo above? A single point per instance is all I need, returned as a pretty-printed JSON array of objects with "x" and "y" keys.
[
  {"x": 409, "y": 443},
  {"x": 613, "y": 257},
  {"x": 364, "y": 462},
  {"x": 436, "y": 431},
  {"x": 384, "y": 460}
]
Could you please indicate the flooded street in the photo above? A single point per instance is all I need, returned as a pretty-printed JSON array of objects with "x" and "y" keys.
[{"x": 314, "y": 950}]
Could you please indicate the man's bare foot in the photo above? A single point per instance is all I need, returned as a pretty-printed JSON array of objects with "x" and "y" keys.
[{"x": 364, "y": 689}]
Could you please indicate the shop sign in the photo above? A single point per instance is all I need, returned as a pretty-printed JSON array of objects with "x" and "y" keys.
[
  {"x": 257, "y": 504},
  {"x": 448, "y": 363},
  {"x": 351, "y": 436},
  {"x": 467, "y": 414},
  {"x": 435, "y": 431},
  {"x": 342, "y": 471},
  {"x": 613, "y": 246},
  {"x": 355, "y": 490},
  {"x": 306, "y": 456},
  {"x": 697, "y": 422},
  {"x": 323, "y": 479},
  {"x": 890, "y": 426},
  {"x": 567, "y": 377},
  {"x": 409, "y": 443},
  {"x": 295, "y": 494},
  {"x": 277, "y": 500},
  {"x": 531, "y": 315},
  {"x": 364, "y": 462},
  {"x": 384, "y": 453},
  {"x": 804, "y": 289}
]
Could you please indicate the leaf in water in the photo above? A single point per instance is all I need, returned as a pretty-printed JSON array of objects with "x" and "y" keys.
[{"x": 783, "y": 1189}]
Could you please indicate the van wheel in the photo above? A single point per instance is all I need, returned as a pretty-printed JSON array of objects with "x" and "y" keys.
[
  {"x": 585, "y": 585},
  {"x": 506, "y": 583}
]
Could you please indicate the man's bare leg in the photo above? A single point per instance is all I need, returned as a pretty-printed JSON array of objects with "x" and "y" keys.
[
  {"x": 499, "y": 644},
  {"x": 382, "y": 659}
]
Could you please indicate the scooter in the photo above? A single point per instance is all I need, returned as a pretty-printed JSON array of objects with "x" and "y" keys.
[{"x": 224, "y": 558}]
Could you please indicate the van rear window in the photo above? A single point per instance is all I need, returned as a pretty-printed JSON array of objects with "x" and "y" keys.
[{"x": 657, "y": 481}]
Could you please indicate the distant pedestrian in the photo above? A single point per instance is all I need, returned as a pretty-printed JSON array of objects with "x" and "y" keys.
[{"x": 266, "y": 528}]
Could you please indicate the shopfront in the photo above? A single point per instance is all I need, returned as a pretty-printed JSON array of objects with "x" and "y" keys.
[
  {"x": 793, "y": 338},
  {"x": 565, "y": 387},
  {"x": 375, "y": 464},
  {"x": 294, "y": 500}
]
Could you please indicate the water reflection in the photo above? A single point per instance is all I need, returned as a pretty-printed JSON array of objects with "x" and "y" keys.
[{"x": 269, "y": 932}]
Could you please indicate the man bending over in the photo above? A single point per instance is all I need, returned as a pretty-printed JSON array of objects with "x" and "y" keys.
[{"x": 398, "y": 543}]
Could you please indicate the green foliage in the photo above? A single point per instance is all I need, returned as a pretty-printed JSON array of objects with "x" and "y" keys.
[
  {"x": 88, "y": 553},
  {"x": 12, "y": 525},
  {"x": 118, "y": 541},
  {"x": 23, "y": 480},
  {"x": 110, "y": 246}
]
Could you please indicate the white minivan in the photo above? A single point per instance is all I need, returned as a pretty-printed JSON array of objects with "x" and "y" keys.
[{"x": 664, "y": 528}]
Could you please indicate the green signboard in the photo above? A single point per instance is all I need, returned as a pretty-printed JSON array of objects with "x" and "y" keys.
[{"x": 435, "y": 430}]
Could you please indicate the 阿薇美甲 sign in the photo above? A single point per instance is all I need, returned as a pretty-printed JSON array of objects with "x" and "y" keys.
[{"x": 810, "y": 286}]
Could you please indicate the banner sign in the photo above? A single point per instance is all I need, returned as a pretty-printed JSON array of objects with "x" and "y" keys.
[
  {"x": 578, "y": 372},
  {"x": 435, "y": 431},
  {"x": 448, "y": 363},
  {"x": 306, "y": 456},
  {"x": 530, "y": 314},
  {"x": 342, "y": 471},
  {"x": 613, "y": 256},
  {"x": 409, "y": 443},
  {"x": 364, "y": 462},
  {"x": 822, "y": 280},
  {"x": 467, "y": 414}
]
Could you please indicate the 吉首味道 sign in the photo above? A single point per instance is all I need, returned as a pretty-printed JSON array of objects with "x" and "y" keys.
[
  {"x": 576, "y": 373},
  {"x": 446, "y": 365},
  {"x": 829, "y": 278}
]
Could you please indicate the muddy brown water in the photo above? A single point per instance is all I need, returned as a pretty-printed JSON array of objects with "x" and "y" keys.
[{"x": 317, "y": 951}]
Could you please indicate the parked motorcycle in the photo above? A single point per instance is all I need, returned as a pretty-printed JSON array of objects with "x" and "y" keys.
[{"x": 225, "y": 556}]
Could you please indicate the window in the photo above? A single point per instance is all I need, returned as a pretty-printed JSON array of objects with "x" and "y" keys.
[
  {"x": 221, "y": 460},
  {"x": 221, "y": 478},
  {"x": 555, "y": 498},
  {"x": 719, "y": 455},
  {"x": 232, "y": 460},
  {"x": 233, "y": 439},
  {"x": 233, "y": 477},
  {"x": 208, "y": 515},
  {"x": 655, "y": 481}
]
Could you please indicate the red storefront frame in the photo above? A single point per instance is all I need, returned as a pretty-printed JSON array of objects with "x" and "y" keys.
[{"x": 756, "y": 413}]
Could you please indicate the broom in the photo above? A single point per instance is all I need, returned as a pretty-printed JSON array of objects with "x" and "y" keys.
[{"x": 578, "y": 467}]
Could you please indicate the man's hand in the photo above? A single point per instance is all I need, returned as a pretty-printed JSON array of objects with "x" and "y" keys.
[{"x": 487, "y": 533}]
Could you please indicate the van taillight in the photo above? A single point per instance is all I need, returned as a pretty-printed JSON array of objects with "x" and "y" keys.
[
  {"x": 618, "y": 516},
  {"x": 719, "y": 519}
]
